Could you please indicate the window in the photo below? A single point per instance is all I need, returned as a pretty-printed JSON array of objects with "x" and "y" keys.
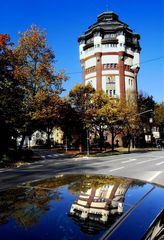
[
  {"x": 110, "y": 86},
  {"x": 89, "y": 40},
  {"x": 113, "y": 45},
  {"x": 90, "y": 69},
  {"x": 130, "y": 82},
  {"x": 112, "y": 35},
  {"x": 106, "y": 36}
]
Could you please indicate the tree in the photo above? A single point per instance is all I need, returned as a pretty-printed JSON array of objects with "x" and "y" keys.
[
  {"x": 159, "y": 117},
  {"x": 112, "y": 110},
  {"x": 69, "y": 122},
  {"x": 11, "y": 94},
  {"x": 97, "y": 115},
  {"x": 47, "y": 112},
  {"x": 146, "y": 103},
  {"x": 42, "y": 84},
  {"x": 79, "y": 98},
  {"x": 105, "y": 114},
  {"x": 130, "y": 118}
]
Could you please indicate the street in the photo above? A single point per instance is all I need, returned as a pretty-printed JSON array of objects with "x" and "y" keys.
[{"x": 148, "y": 166}]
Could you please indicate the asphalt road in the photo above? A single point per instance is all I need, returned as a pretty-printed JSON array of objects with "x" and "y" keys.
[{"x": 147, "y": 166}]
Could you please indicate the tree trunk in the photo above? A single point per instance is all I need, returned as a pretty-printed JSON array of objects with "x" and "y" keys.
[
  {"x": 101, "y": 143},
  {"x": 22, "y": 141},
  {"x": 129, "y": 142},
  {"x": 48, "y": 138},
  {"x": 112, "y": 132}
]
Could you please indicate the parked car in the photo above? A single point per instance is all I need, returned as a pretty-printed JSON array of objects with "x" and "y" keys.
[{"x": 83, "y": 207}]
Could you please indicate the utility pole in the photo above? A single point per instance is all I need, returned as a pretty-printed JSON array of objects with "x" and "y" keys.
[
  {"x": 87, "y": 142},
  {"x": 66, "y": 144}
]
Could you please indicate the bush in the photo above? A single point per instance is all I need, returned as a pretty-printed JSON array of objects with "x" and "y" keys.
[{"x": 12, "y": 156}]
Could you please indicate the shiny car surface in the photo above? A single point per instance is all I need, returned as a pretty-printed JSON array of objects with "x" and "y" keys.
[{"x": 82, "y": 207}]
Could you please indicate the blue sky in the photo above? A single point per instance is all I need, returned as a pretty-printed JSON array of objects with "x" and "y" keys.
[{"x": 65, "y": 21}]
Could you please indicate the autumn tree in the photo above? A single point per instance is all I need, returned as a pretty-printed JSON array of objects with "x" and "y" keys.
[
  {"x": 114, "y": 124},
  {"x": 11, "y": 94},
  {"x": 48, "y": 112},
  {"x": 98, "y": 117},
  {"x": 79, "y": 98},
  {"x": 105, "y": 116},
  {"x": 69, "y": 122},
  {"x": 42, "y": 83},
  {"x": 130, "y": 119}
]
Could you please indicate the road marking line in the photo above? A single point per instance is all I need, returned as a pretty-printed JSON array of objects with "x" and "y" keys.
[
  {"x": 106, "y": 161},
  {"x": 130, "y": 160},
  {"x": 159, "y": 163},
  {"x": 115, "y": 169},
  {"x": 36, "y": 166},
  {"x": 154, "y": 176},
  {"x": 145, "y": 161}
]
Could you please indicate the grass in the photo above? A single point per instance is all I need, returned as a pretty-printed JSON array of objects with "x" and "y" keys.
[{"x": 109, "y": 152}]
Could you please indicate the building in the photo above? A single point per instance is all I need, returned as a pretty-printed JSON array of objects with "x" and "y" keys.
[
  {"x": 110, "y": 56},
  {"x": 39, "y": 138}
]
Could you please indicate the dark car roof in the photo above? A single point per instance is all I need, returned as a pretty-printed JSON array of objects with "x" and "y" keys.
[{"x": 81, "y": 207}]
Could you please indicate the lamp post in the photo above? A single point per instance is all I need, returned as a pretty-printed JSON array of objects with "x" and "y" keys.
[
  {"x": 150, "y": 122},
  {"x": 66, "y": 144},
  {"x": 87, "y": 142},
  {"x": 151, "y": 137}
]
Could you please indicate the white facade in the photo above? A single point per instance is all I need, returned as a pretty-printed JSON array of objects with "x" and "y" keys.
[{"x": 110, "y": 48}]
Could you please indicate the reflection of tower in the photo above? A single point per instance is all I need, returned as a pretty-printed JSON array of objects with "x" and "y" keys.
[
  {"x": 101, "y": 204},
  {"x": 109, "y": 55}
]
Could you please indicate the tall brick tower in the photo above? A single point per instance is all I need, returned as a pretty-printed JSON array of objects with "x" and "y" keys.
[{"x": 110, "y": 56}]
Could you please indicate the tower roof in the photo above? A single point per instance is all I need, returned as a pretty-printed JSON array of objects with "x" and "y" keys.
[
  {"x": 108, "y": 23},
  {"x": 107, "y": 16}
]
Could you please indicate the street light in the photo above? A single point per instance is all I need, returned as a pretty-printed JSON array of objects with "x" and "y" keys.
[
  {"x": 87, "y": 142},
  {"x": 144, "y": 112}
]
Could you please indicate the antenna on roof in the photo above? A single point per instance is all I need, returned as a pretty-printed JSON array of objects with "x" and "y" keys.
[{"x": 107, "y": 6}]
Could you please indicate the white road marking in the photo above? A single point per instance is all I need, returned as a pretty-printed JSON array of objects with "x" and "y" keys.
[
  {"x": 35, "y": 166},
  {"x": 107, "y": 161},
  {"x": 104, "y": 161},
  {"x": 130, "y": 160},
  {"x": 159, "y": 163},
  {"x": 115, "y": 169},
  {"x": 6, "y": 169},
  {"x": 154, "y": 176},
  {"x": 145, "y": 161}
]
